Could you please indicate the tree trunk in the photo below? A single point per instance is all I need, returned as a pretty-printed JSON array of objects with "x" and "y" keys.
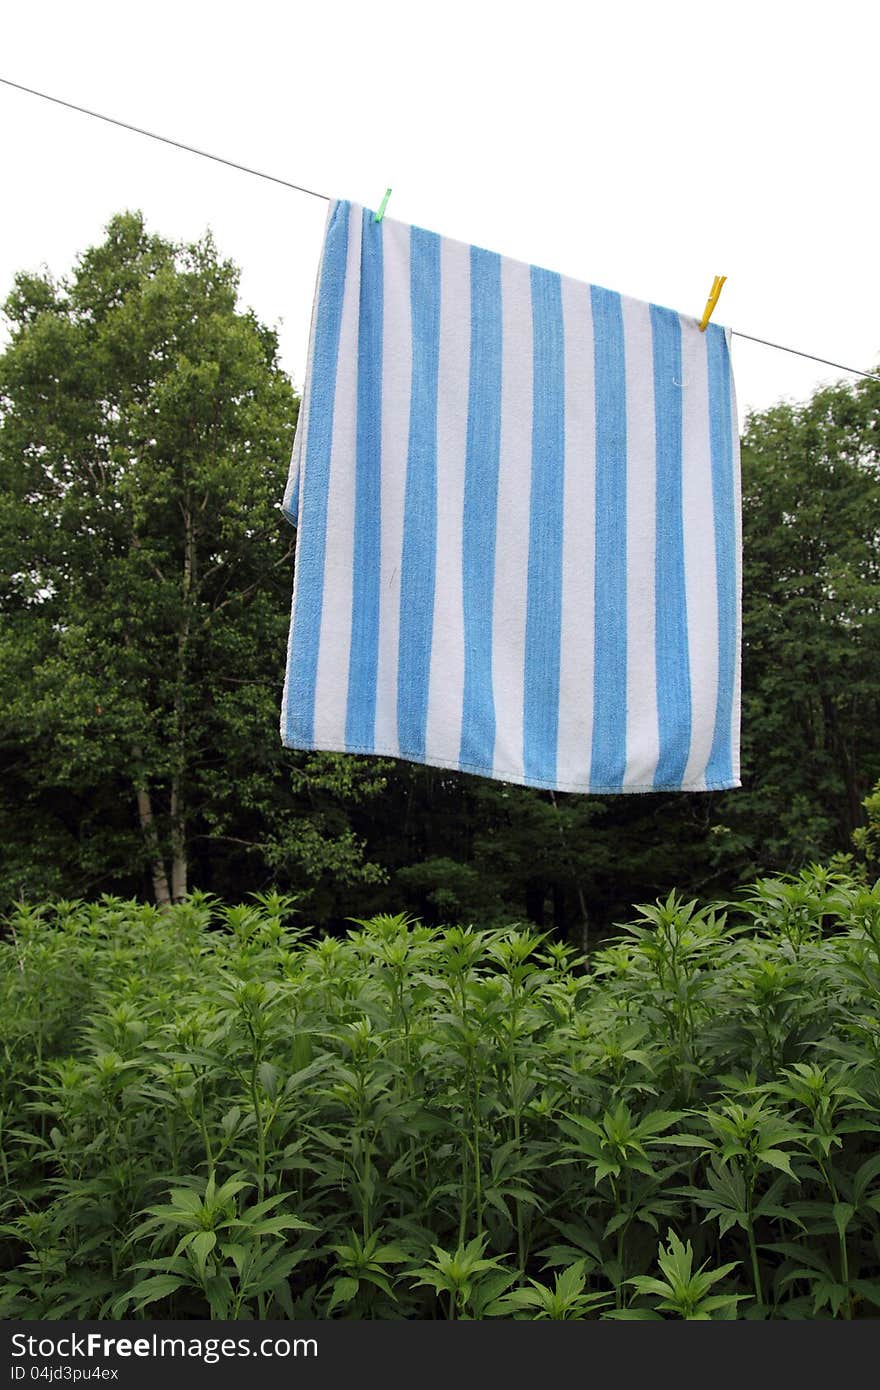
[
  {"x": 151, "y": 839},
  {"x": 179, "y": 864}
]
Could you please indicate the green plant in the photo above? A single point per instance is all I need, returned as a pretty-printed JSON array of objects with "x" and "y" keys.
[
  {"x": 211, "y": 1112},
  {"x": 684, "y": 1291},
  {"x": 469, "y": 1280},
  {"x": 232, "y": 1253},
  {"x": 563, "y": 1302}
]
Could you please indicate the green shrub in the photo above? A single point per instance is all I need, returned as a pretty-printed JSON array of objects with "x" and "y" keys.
[{"x": 210, "y": 1112}]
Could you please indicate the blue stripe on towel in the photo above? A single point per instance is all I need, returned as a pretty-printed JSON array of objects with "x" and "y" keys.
[
  {"x": 312, "y": 503},
  {"x": 544, "y": 603},
  {"x": 609, "y": 702},
  {"x": 671, "y": 621},
  {"x": 720, "y": 766},
  {"x": 360, "y": 719},
  {"x": 419, "y": 560},
  {"x": 480, "y": 508}
]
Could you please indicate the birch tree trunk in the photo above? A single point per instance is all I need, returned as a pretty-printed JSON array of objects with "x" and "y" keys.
[{"x": 151, "y": 839}]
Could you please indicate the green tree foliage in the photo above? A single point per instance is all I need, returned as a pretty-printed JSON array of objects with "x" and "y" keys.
[
  {"x": 146, "y": 433},
  {"x": 145, "y": 439},
  {"x": 811, "y": 640}
]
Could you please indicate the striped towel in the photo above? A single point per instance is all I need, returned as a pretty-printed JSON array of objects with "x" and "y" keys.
[{"x": 518, "y": 532}]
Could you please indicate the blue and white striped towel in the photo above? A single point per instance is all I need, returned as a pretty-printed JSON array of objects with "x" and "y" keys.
[{"x": 518, "y": 523}]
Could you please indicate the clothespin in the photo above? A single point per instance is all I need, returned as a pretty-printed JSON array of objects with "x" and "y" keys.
[
  {"x": 717, "y": 284},
  {"x": 377, "y": 216}
]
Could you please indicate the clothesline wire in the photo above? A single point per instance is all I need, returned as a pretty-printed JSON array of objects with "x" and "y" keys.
[
  {"x": 870, "y": 376},
  {"x": 311, "y": 192},
  {"x": 178, "y": 144}
]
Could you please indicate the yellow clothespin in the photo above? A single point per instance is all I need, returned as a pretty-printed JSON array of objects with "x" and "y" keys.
[{"x": 717, "y": 284}]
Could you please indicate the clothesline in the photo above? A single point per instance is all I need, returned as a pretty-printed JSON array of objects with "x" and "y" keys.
[{"x": 312, "y": 193}]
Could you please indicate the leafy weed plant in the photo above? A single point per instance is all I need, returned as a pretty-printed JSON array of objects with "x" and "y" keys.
[{"x": 212, "y": 1112}]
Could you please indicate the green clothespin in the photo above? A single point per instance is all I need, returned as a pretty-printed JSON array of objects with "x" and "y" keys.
[{"x": 377, "y": 216}]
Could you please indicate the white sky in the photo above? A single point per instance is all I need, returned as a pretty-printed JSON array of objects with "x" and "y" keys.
[{"x": 644, "y": 147}]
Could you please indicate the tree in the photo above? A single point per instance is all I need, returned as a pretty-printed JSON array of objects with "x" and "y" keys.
[
  {"x": 146, "y": 433},
  {"x": 811, "y": 639},
  {"x": 144, "y": 443}
]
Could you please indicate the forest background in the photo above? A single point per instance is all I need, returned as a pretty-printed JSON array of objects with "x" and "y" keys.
[{"x": 145, "y": 581}]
